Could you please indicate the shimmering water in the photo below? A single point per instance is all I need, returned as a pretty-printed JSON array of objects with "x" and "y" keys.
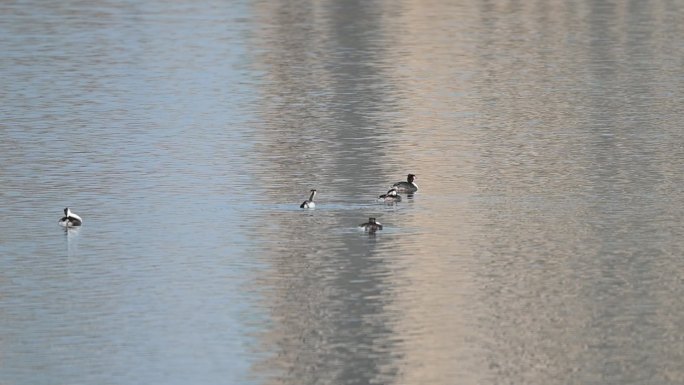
[{"x": 545, "y": 245}]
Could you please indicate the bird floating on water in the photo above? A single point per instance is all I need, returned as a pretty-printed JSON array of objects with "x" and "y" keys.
[
  {"x": 371, "y": 226},
  {"x": 70, "y": 219},
  {"x": 391, "y": 196},
  {"x": 409, "y": 186},
  {"x": 309, "y": 203}
]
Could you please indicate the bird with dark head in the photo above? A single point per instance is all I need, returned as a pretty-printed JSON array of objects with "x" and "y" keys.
[
  {"x": 70, "y": 219},
  {"x": 409, "y": 186},
  {"x": 371, "y": 226},
  {"x": 390, "y": 197},
  {"x": 309, "y": 203}
]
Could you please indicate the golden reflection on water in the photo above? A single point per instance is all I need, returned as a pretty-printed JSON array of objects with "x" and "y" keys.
[{"x": 512, "y": 116}]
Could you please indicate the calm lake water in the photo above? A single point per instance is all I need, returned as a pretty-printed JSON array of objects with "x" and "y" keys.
[{"x": 545, "y": 245}]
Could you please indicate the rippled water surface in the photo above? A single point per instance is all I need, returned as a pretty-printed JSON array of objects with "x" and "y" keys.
[{"x": 545, "y": 245}]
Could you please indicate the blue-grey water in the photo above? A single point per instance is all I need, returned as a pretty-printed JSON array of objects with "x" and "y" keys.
[{"x": 545, "y": 245}]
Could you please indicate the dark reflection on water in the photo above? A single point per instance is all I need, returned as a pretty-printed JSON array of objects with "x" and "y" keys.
[
  {"x": 324, "y": 126},
  {"x": 543, "y": 247}
]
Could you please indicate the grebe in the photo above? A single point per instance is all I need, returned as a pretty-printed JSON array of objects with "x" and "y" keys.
[
  {"x": 372, "y": 225},
  {"x": 407, "y": 187},
  {"x": 70, "y": 219},
  {"x": 309, "y": 203},
  {"x": 390, "y": 197}
]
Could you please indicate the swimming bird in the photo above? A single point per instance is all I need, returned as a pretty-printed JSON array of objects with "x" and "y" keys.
[
  {"x": 371, "y": 226},
  {"x": 70, "y": 219},
  {"x": 407, "y": 187},
  {"x": 309, "y": 203},
  {"x": 390, "y": 197}
]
